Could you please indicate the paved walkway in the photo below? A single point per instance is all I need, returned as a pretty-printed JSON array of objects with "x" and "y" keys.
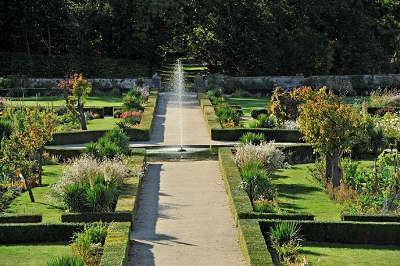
[{"x": 183, "y": 217}]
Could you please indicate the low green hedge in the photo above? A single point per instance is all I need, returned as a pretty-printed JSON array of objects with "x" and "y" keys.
[
  {"x": 252, "y": 243},
  {"x": 298, "y": 153},
  {"x": 116, "y": 246},
  {"x": 277, "y": 216},
  {"x": 37, "y": 233},
  {"x": 234, "y": 134},
  {"x": 371, "y": 218},
  {"x": 20, "y": 219},
  {"x": 210, "y": 117},
  {"x": 344, "y": 232},
  {"x": 77, "y": 137},
  {"x": 63, "y": 154},
  {"x": 239, "y": 201},
  {"x": 89, "y": 217}
]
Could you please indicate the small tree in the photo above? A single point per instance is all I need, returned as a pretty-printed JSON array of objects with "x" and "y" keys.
[
  {"x": 76, "y": 90},
  {"x": 331, "y": 128},
  {"x": 22, "y": 152}
]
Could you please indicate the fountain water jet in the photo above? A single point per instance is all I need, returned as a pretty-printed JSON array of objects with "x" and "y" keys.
[{"x": 177, "y": 83}]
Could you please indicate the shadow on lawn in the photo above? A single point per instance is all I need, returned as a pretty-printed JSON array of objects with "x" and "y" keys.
[{"x": 296, "y": 189}]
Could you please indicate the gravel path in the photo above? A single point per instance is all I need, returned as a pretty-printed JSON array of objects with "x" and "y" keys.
[{"x": 183, "y": 217}]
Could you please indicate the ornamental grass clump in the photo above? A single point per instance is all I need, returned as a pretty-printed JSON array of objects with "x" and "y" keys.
[
  {"x": 286, "y": 240},
  {"x": 255, "y": 182},
  {"x": 267, "y": 154},
  {"x": 90, "y": 184}
]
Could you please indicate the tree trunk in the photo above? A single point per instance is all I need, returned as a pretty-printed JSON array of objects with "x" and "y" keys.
[
  {"x": 49, "y": 39},
  {"x": 29, "y": 188},
  {"x": 328, "y": 169},
  {"x": 28, "y": 48},
  {"x": 336, "y": 170},
  {"x": 82, "y": 118},
  {"x": 333, "y": 169},
  {"x": 40, "y": 165}
]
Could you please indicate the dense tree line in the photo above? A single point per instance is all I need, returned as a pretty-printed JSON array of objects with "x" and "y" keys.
[{"x": 232, "y": 36}]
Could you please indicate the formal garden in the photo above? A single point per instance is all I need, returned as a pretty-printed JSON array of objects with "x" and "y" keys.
[{"x": 199, "y": 132}]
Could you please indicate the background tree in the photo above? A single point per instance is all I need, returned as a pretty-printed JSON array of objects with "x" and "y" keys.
[
  {"x": 331, "y": 128},
  {"x": 76, "y": 90}
]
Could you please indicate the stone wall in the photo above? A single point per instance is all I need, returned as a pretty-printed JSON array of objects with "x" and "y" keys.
[{"x": 339, "y": 83}]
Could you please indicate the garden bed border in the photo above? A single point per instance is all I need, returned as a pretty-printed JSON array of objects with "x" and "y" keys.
[{"x": 234, "y": 134}]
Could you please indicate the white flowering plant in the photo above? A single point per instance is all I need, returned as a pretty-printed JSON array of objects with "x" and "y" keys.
[{"x": 268, "y": 154}]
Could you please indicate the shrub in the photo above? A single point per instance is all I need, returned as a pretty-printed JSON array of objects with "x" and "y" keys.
[
  {"x": 74, "y": 197},
  {"x": 263, "y": 121},
  {"x": 100, "y": 196},
  {"x": 227, "y": 113},
  {"x": 271, "y": 157},
  {"x": 266, "y": 206},
  {"x": 115, "y": 142},
  {"x": 85, "y": 168},
  {"x": 66, "y": 261},
  {"x": 252, "y": 138},
  {"x": 255, "y": 182},
  {"x": 286, "y": 240},
  {"x": 88, "y": 244},
  {"x": 6, "y": 127},
  {"x": 133, "y": 100}
]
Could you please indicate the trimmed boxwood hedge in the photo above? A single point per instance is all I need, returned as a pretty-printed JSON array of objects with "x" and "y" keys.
[
  {"x": 344, "y": 232},
  {"x": 371, "y": 218},
  {"x": 89, "y": 217},
  {"x": 116, "y": 246},
  {"x": 37, "y": 233},
  {"x": 21, "y": 219},
  {"x": 252, "y": 243},
  {"x": 239, "y": 201},
  {"x": 277, "y": 216},
  {"x": 234, "y": 134}
]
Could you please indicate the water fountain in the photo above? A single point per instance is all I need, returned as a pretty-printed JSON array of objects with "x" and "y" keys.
[{"x": 177, "y": 83}]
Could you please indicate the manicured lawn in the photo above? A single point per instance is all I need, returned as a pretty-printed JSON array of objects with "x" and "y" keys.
[
  {"x": 43, "y": 204},
  {"x": 298, "y": 192},
  {"x": 248, "y": 104},
  {"x": 32, "y": 254},
  {"x": 103, "y": 124},
  {"x": 335, "y": 254},
  {"x": 59, "y": 101}
]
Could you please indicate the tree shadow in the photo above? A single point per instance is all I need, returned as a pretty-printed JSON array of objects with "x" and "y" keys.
[
  {"x": 296, "y": 189},
  {"x": 144, "y": 235}
]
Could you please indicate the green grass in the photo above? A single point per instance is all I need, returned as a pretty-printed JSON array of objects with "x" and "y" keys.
[
  {"x": 94, "y": 101},
  {"x": 43, "y": 204},
  {"x": 102, "y": 124},
  {"x": 297, "y": 192},
  {"x": 32, "y": 254},
  {"x": 339, "y": 254},
  {"x": 248, "y": 104}
]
